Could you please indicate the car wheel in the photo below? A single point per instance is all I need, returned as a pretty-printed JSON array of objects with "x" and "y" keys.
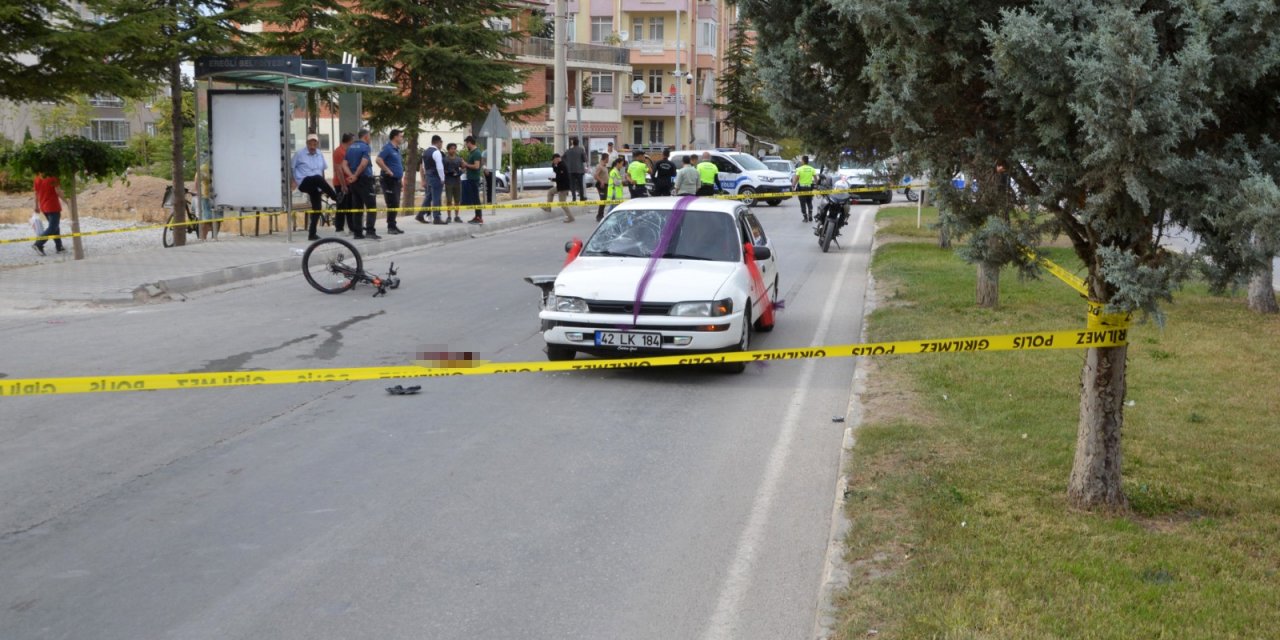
[
  {"x": 747, "y": 194},
  {"x": 888, "y": 197},
  {"x": 774, "y": 202},
  {"x": 744, "y": 344},
  {"x": 557, "y": 353}
]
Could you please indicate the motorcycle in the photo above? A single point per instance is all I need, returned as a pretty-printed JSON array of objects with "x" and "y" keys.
[{"x": 832, "y": 213}]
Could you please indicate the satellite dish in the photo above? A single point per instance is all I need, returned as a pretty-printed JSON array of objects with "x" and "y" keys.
[{"x": 637, "y": 87}]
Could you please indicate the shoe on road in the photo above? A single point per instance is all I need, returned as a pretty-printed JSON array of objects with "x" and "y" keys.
[
  {"x": 420, "y": 218},
  {"x": 395, "y": 232},
  {"x": 369, "y": 235},
  {"x": 39, "y": 249},
  {"x": 475, "y": 221},
  {"x": 312, "y": 238}
]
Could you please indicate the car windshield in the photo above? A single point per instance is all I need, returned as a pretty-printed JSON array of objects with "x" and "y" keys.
[
  {"x": 747, "y": 162},
  {"x": 779, "y": 165},
  {"x": 702, "y": 235}
]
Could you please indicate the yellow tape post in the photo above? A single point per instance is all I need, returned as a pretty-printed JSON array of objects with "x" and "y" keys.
[{"x": 1030, "y": 341}]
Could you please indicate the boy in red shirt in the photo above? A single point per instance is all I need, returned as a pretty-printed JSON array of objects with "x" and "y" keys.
[{"x": 49, "y": 201}]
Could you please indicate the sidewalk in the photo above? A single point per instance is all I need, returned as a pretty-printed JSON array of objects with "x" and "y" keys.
[{"x": 157, "y": 274}]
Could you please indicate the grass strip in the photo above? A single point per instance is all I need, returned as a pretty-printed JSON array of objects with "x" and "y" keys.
[{"x": 957, "y": 484}]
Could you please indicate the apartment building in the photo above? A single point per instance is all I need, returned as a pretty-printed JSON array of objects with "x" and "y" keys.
[{"x": 673, "y": 50}]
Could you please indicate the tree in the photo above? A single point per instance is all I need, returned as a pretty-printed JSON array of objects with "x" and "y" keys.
[
  {"x": 306, "y": 28},
  {"x": 48, "y": 52},
  {"x": 66, "y": 118},
  {"x": 740, "y": 96},
  {"x": 1104, "y": 115},
  {"x": 73, "y": 159},
  {"x": 186, "y": 30},
  {"x": 448, "y": 62}
]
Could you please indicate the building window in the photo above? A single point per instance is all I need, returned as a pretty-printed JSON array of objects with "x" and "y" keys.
[
  {"x": 637, "y": 133},
  {"x": 601, "y": 28},
  {"x": 655, "y": 81},
  {"x": 150, "y": 128},
  {"x": 708, "y": 32},
  {"x": 106, "y": 101},
  {"x": 500, "y": 24},
  {"x": 602, "y": 83},
  {"x": 112, "y": 132},
  {"x": 656, "y": 133},
  {"x": 657, "y": 26},
  {"x": 571, "y": 27}
]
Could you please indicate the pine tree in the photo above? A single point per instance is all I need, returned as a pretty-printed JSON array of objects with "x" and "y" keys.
[
  {"x": 154, "y": 38},
  {"x": 307, "y": 28},
  {"x": 1115, "y": 123},
  {"x": 448, "y": 62},
  {"x": 48, "y": 52},
  {"x": 740, "y": 96}
]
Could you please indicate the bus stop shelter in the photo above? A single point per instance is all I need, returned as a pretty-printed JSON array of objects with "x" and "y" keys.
[{"x": 248, "y": 124}]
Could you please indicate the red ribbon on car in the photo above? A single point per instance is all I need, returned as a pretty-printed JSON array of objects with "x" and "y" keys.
[{"x": 749, "y": 250}]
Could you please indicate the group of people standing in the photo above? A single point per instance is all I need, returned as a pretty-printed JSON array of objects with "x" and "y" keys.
[
  {"x": 449, "y": 177},
  {"x": 616, "y": 176}
]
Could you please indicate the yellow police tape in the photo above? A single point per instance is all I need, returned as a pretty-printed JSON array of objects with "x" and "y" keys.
[
  {"x": 1030, "y": 341},
  {"x": 470, "y": 207},
  {"x": 1097, "y": 317}
]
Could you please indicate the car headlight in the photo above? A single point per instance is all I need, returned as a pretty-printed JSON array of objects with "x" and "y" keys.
[
  {"x": 702, "y": 308},
  {"x": 568, "y": 304}
]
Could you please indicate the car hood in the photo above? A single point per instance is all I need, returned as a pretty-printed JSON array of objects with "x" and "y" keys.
[{"x": 610, "y": 278}]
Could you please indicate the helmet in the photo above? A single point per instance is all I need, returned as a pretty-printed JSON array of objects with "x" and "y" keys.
[{"x": 842, "y": 183}]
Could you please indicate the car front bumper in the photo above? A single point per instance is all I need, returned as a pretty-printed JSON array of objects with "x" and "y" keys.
[
  {"x": 765, "y": 189},
  {"x": 679, "y": 334}
]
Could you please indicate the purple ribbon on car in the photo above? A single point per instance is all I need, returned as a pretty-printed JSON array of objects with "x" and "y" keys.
[{"x": 664, "y": 241}]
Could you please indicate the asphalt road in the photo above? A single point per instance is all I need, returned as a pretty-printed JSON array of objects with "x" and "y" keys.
[{"x": 668, "y": 503}]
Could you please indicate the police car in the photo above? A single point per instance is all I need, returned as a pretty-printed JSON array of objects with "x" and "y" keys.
[{"x": 743, "y": 175}]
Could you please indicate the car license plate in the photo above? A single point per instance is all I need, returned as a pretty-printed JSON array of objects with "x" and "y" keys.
[{"x": 628, "y": 340}]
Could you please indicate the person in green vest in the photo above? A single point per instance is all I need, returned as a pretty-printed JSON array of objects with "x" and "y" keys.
[
  {"x": 616, "y": 180},
  {"x": 707, "y": 172},
  {"x": 802, "y": 181},
  {"x": 638, "y": 176}
]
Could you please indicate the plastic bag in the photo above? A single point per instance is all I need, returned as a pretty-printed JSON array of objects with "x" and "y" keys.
[{"x": 37, "y": 224}]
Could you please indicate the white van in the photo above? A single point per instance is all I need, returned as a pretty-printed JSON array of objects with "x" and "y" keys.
[{"x": 742, "y": 175}]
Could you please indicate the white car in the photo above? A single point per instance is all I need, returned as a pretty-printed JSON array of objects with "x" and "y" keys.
[
  {"x": 540, "y": 176},
  {"x": 702, "y": 296}
]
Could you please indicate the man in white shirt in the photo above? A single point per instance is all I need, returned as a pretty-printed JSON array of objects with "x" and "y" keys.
[
  {"x": 308, "y": 177},
  {"x": 433, "y": 178}
]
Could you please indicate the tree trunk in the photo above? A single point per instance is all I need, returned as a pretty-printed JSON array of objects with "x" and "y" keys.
[
  {"x": 77, "y": 246},
  {"x": 944, "y": 236},
  {"x": 1095, "y": 475},
  {"x": 988, "y": 285},
  {"x": 1262, "y": 294},
  {"x": 179, "y": 185}
]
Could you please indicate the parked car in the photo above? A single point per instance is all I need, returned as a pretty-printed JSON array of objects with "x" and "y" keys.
[
  {"x": 702, "y": 297},
  {"x": 741, "y": 174},
  {"x": 784, "y": 166},
  {"x": 540, "y": 176},
  {"x": 861, "y": 174}
]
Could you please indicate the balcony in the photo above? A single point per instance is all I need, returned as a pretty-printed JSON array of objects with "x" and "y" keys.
[
  {"x": 579, "y": 55},
  {"x": 652, "y": 104}
]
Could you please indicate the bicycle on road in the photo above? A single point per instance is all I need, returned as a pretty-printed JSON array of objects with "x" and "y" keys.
[{"x": 333, "y": 265}]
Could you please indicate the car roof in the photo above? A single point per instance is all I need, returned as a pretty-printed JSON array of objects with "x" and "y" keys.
[{"x": 665, "y": 202}]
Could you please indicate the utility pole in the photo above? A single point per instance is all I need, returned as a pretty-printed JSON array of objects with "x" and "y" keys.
[
  {"x": 561, "y": 78},
  {"x": 679, "y": 80}
]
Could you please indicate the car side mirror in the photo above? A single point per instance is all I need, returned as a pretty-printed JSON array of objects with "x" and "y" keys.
[
  {"x": 762, "y": 252},
  {"x": 568, "y": 246}
]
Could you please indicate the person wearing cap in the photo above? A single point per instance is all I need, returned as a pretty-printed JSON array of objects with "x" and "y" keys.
[{"x": 308, "y": 177}]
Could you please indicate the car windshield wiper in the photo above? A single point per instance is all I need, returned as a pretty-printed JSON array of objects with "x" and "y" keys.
[
  {"x": 612, "y": 254},
  {"x": 685, "y": 256}
]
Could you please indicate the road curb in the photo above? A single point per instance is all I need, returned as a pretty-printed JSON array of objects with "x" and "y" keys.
[
  {"x": 836, "y": 572},
  {"x": 178, "y": 288}
]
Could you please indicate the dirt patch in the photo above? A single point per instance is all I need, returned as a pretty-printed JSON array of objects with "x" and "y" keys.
[
  {"x": 137, "y": 200},
  {"x": 890, "y": 395}
]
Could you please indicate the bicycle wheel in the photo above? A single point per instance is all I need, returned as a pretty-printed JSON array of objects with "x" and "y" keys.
[
  {"x": 167, "y": 234},
  {"x": 331, "y": 265}
]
